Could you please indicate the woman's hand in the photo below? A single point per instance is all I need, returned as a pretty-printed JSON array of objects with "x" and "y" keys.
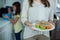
[
  {"x": 50, "y": 21},
  {"x": 27, "y": 23}
]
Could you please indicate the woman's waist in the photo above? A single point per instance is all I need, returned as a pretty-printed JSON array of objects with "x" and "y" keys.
[
  {"x": 29, "y": 33},
  {"x": 27, "y": 30}
]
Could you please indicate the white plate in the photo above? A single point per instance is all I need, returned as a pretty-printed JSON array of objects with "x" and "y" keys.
[{"x": 38, "y": 29}]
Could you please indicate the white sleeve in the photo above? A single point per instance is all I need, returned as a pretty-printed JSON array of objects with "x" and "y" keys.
[
  {"x": 24, "y": 11},
  {"x": 51, "y": 15},
  {"x": 52, "y": 10}
]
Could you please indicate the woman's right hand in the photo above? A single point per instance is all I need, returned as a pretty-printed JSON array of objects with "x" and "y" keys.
[{"x": 27, "y": 23}]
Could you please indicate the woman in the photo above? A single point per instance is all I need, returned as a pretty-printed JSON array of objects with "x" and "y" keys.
[
  {"x": 32, "y": 11},
  {"x": 16, "y": 21}
]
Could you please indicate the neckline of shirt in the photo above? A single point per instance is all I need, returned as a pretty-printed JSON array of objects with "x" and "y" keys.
[{"x": 37, "y": 4}]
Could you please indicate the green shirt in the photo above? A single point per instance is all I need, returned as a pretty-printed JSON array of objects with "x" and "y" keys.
[{"x": 17, "y": 25}]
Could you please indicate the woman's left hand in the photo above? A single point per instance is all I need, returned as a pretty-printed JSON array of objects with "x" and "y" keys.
[{"x": 50, "y": 21}]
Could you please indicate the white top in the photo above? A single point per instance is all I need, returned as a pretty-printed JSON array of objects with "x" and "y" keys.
[{"x": 37, "y": 12}]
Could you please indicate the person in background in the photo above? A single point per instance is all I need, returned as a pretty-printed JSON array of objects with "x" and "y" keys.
[
  {"x": 16, "y": 21},
  {"x": 9, "y": 11},
  {"x": 36, "y": 10}
]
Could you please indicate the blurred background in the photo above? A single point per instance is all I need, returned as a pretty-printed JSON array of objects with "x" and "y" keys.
[{"x": 55, "y": 34}]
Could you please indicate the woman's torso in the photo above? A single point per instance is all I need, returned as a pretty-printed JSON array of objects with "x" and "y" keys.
[{"x": 37, "y": 12}]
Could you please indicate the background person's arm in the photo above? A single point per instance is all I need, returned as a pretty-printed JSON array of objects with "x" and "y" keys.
[{"x": 14, "y": 21}]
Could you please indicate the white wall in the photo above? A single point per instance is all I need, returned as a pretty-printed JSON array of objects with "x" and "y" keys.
[
  {"x": 10, "y": 2},
  {"x": 1, "y": 3}
]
